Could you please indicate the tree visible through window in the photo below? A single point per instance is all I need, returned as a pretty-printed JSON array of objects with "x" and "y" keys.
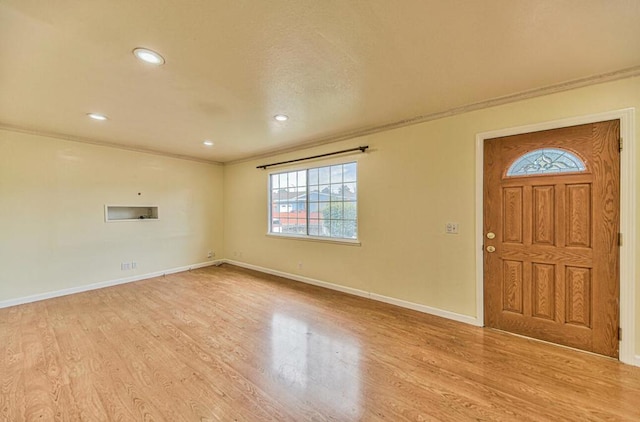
[{"x": 315, "y": 202}]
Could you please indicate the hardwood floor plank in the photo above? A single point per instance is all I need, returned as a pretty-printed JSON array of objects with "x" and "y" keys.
[
  {"x": 79, "y": 360},
  {"x": 123, "y": 360},
  {"x": 229, "y": 344},
  {"x": 12, "y": 373},
  {"x": 38, "y": 404}
]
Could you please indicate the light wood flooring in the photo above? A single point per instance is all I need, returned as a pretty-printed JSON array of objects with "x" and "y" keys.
[{"x": 227, "y": 344}]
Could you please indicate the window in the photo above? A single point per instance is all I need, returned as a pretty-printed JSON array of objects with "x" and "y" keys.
[
  {"x": 546, "y": 161},
  {"x": 317, "y": 202}
]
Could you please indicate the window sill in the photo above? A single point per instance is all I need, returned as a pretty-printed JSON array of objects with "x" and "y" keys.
[{"x": 348, "y": 242}]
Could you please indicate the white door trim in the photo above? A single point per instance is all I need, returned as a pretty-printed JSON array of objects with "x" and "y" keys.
[{"x": 627, "y": 215}]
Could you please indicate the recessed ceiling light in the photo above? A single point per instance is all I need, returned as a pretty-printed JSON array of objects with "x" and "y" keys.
[
  {"x": 96, "y": 116},
  {"x": 281, "y": 117},
  {"x": 208, "y": 143},
  {"x": 148, "y": 56}
]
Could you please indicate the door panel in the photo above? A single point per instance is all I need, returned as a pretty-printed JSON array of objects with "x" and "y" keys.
[
  {"x": 578, "y": 296},
  {"x": 553, "y": 274},
  {"x": 512, "y": 214},
  {"x": 578, "y": 218},
  {"x": 543, "y": 290},
  {"x": 543, "y": 217},
  {"x": 512, "y": 286}
]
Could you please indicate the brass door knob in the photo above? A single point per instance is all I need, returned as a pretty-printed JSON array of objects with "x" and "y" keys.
[
  {"x": 491, "y": 249},
  {"x": 491, "y": 235}
]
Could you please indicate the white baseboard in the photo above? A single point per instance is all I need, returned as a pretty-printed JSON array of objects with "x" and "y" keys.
[
  {"x": 427, "y": 309},
  {"x": 102, "y": 284},
  {"x": 307, "y": 280},
  {"x": 635, "y": 361},
  {"x": 349, "y": 290},
  {"x": 362, "y": 293}
]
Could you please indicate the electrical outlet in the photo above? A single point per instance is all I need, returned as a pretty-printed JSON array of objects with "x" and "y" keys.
[
  {"x": 211, "y": 254},
  {"x": 134, "y": 265},
  {"x": 300, "y": 265},
  {"x": 451, "y": 228},
  {"x": 125, "y": 266}
]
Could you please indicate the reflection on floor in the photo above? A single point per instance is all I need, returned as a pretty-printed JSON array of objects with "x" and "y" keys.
[
  {"x": 227, "y": 344},
  {"x": 305, "y": 358}
]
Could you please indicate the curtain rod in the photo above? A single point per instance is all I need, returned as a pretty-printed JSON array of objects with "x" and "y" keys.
[{"x": 361, "y": 149}]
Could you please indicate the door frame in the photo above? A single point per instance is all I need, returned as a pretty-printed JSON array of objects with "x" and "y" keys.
[{"x": 627, "y": 215}]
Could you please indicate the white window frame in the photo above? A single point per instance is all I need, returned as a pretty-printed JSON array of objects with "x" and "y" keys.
[{"x": 307, "y": 237}]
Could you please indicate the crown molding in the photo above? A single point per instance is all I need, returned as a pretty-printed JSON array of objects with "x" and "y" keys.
[
  {"x": 106, "y": 144},
  {"x": 511, "y": 98}
]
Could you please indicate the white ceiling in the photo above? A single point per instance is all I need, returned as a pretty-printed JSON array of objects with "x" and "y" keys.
[{"x": 337, "y": 67}]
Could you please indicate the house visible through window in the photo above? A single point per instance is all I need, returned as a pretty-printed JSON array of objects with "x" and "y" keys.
[{"x": 316, "y": 202}]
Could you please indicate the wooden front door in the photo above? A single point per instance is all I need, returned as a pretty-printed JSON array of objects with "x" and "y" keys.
[{"x": 551, "y": 223}]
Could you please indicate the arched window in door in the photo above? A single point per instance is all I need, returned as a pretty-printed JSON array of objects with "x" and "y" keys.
[{"x": 546, "y": 161}]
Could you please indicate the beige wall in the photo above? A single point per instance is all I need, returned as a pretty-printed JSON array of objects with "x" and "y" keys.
[
  {"x": 52, "y": 230},
  {"x": 411, "y": 182}
]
